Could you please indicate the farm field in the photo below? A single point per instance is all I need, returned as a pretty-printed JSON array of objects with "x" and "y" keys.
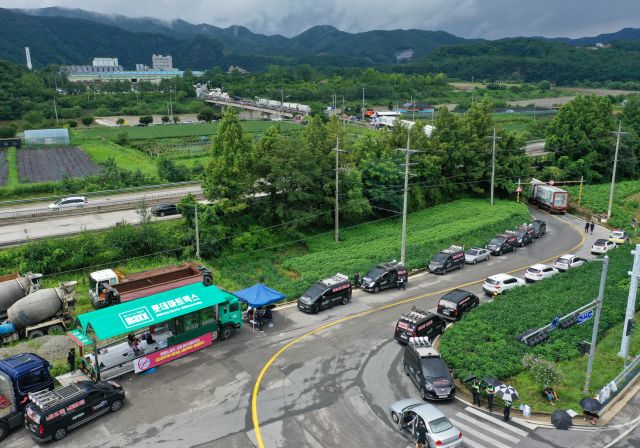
[
  {"x": 4, "y": 170},
  {"x": 172, "y": 130},
  {"x": 53, "y": 164},
  {"x": 292, "y": 268},
  {"x": 626, "y": 201}
]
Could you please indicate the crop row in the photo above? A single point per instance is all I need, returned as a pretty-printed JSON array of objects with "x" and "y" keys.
[
  {"x": 45, "y": 165},
  {"x": 484, "y": 342}
]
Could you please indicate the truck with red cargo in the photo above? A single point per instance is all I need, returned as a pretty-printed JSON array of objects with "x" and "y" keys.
[
  {"x": 108, "y": 287},
  {"x": 548, "y": 197}
]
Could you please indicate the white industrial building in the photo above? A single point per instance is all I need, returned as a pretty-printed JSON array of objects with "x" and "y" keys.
[
  {"x": 105, "y": 62},
  {"x": 159, "y": 62}
]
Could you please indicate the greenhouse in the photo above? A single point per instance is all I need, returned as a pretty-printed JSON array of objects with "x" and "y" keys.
[{"x": 57, "y": 137}]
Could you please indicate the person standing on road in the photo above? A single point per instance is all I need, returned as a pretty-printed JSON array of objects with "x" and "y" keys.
[
  {"x": 401, "y": 284},
  {"x": 420, "y": 434},
  {"x": 591, "y": 227},
  {"x": 475, "y": 391},
  {"x": 71, "y": 360},
  {"x": 356, "y": 279},
  {"x": 490, "y": 393},
  {"x": 507, "y": 410},
  {"x": 586, "y": 227}
]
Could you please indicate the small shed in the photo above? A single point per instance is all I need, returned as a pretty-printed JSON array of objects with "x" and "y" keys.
[
  {"x": 57, "y": 137},
  {"x": 11, "y": 141}
]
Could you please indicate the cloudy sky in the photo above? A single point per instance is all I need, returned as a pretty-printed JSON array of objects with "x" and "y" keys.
[{"x": 467, "y": 18}]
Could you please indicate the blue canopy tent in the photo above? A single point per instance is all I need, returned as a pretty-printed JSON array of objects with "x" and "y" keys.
[{"x": 259, "y": 295}]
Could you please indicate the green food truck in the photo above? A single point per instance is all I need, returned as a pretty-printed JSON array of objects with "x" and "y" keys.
[{"x": 142, "y": 334}]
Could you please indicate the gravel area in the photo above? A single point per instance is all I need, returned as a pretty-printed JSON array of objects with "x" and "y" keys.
[{"x": 51, "y": 348}]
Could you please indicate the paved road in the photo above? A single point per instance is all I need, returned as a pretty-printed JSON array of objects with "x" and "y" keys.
[{"x": 331, "y": 389}]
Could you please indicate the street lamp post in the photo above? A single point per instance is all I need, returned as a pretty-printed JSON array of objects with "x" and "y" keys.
[
  {"x": 408, "y": 152},
  {"x": 615, "y": 166},
  {"x": 596, "y": 323}
]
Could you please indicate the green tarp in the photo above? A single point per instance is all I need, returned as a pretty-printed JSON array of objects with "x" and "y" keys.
[{"x": 130, "y": 316}]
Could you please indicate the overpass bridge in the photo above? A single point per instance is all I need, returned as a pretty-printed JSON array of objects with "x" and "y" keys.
[{"x": 265, "y": 110}]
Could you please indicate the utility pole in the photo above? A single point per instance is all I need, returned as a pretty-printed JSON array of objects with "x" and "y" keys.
[
  {"x": 631, "y": 305},
  {"x": 596, "y": 322},
  {"x": 615, "y": 165},
  {"x": 197, "y": 234},
  {"x": 581, "y": 190},
  {"x": 55, "y": 109},
  {"x": 493, "y": 163},
  {"x": 408, "y": 151},
  {"x": 363, "y": 103},
  {"x": 337, "y": 208}
]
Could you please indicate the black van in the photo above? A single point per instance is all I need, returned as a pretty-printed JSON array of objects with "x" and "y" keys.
[
  {"x": 419, "y": 323},
  {"x": 384, "y": 276},
  {"x": 325, "y": 294},
  {"x": 526, "y": 234},
  {"x": 457, "y": 302},
  {"x": 52, "y": 414},
  {"x": 501, "y": 244},
  {"x": 423, "y": 364},
  {"x": 446, "y": 260}
]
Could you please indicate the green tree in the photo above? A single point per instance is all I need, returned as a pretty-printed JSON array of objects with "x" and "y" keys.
[
  {"x": 206, "y": 114},
  {"x": 145, "y": 120},
  {"x": 8, "y": 131},
  {"x": 120, "y": 121},
  {"x": 122, "y": 138},
  {"x": 164, "y": 119},
  {"x": 72, "y": 124},
  {"x": 87, "y": 121}
]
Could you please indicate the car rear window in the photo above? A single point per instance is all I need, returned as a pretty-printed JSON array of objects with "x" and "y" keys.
[
  {"x": 473, "y": 252},
  {"x": 533, "y": 270},
  {"x": 447, "y": 304},
  {"x": 492, "y": 281},
  {"x": 563, "y": 260},
  {"x": 441, "y": 424},
  {"x": 616, "y": 234}
]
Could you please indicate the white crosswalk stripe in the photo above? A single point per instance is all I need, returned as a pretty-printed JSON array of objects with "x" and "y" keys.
[
  {"x": 496, "y": 421},
  {"x": 482, "y": 430}
]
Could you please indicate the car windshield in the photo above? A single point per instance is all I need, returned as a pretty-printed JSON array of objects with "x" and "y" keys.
[
  {"x": 492, "y": 281},
  {"x": 434, "y": 368},
  {"x": 315, "y": 291},
  {"x": 441, "y": 424},
  {"x": 374, "y": 273},
  {"x": 439, "y": 258},
  {"x": 473, "y": 252},
  {"x": 617, "y": 234},
  {"x": 519, "y": 232},
  {"x": 533, "y": 270},
  {"x": 599, "y": 243},
  {"x": 497, "y": 240}
]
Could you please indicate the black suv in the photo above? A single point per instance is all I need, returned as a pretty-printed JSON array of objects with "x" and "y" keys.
[
  {"x": 419, "y": 323},
  {"x": 423, "y": 364},
  {"x": 52, "y": 414},
  {"x": 539, "y": 227},
  {"x": 457, "y": 302},
  {"x": 446, "y": 260},
  {"x": 325, "y": 294},
  {"x": 384, "y": 276},
  {"x": 526, "y": 235},
  {"x": 501, "y": 244}
]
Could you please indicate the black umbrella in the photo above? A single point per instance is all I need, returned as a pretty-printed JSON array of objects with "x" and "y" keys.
[
  {"x": 469, "y": 378},
  {"x": 561, "y": 419},
  {"x": 590, "y": 404},
  {"x": 492, "y": 381}
]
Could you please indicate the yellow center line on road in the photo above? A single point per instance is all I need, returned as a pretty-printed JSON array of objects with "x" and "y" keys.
[{"x": 256, "y": 387}]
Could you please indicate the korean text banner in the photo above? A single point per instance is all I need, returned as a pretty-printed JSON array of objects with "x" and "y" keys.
[
  {"x": 170, "y": 353},
  {"x": 152, "y": 310}
]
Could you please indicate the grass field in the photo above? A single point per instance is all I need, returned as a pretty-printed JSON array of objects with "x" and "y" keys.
[
  {"x": 172, "y": 130},
  {"x": 100, "y": 150},
  {"x": 523, "y": 123},
  {"x": 294, "y": 267},
  {"x": 626, "y": 201},
  {"x": 12, "y": 167}
]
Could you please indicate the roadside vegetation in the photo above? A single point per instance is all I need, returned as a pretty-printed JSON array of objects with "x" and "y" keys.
[
  {"x": 626, "y": 201},
  {"x": 484, "y": 343}
]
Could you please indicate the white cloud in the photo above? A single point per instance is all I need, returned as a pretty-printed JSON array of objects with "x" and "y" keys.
[{"x": 467, "y": 18}]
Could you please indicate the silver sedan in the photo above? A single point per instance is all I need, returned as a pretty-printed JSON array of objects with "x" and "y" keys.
[
  {"x": 440, "y": 431},
  {"x": 476, "y": 254}
]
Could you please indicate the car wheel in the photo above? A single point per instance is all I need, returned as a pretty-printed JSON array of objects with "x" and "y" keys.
[
  {"x": 116, "y": 406},
  {"x": 59, "y": 434},
  {"x": 315, "y": 309},
  {"x": 161, "y": 214},
  {"x": 423, "y": 394},
  {"x": 345, "y": 300},
  {"x": 55, "y": 330},
  {"x": 395, "y": 418},
  {"x": 500, "y": 252},
  {"x": 474, "y": 261},
  {"x": 4, "y": 430},
  {"x": 376, "y": 289}
]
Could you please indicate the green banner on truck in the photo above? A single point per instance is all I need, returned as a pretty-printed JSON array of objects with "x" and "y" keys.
[{"x": 152, "y": 310}]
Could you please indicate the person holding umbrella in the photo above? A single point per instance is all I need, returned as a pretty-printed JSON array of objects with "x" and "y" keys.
[
  {"x": 590, "y": 407},
  {"x": 507, "y": 410}
]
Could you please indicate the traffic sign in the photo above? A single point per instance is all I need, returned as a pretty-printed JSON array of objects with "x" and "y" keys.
[
  {"x": 518, "y": 190},
  {"x": 555, "y": 322},
  {"x": 585, "y": 316}
]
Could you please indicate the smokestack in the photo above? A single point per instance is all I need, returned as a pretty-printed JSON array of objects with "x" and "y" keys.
[{"x": 28, "y": 54}]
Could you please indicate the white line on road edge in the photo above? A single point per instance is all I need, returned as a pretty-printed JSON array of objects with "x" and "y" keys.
[
  {"x": 467, "y": 442},
  {"x": 478, "y": 434},
  {"x": 624, "y": 434},
  {"x": 487, "y": 428},
  {"x": 524, "y": 423},
  {"x": 479, "y": 413}
]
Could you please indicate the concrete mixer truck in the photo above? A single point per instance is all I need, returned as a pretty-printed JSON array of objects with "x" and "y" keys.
[
  {"x": 45, "y": 311},
  {"x": 14, "y": 287}
]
